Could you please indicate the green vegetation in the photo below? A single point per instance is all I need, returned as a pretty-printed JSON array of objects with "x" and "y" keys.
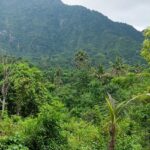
[
  {"x": 49, "y": 33},
  {"x": 84, "y": 86},
  {"x": 83, "y": 108},
  {"x": 146, "y": 46}
]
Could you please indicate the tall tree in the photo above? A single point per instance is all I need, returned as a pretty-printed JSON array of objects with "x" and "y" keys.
[
  {"x": 118, "y": 67},
  {"x": 100, "y": 72},
  {"x": 81, "y": 59},
  {"x": 27, "y": 91},
  {"x": 5, "y": 83},
  {"x": 115, "y": 109},
  {"x": 146, "y": 46},
  {"x": 58, "y": 77}
]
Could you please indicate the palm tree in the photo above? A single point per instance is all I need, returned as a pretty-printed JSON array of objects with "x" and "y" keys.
[
  {"x": 115, "y": 109},
  {"x": 100, "y": 72},
  {"x": 81, "y": 59},
  {"x": 118, "y": 67}
]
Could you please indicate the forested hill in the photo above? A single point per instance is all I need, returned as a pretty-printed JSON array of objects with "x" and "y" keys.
[{"x": 52, "y": 31}]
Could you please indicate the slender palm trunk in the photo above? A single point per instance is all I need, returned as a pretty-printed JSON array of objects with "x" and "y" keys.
[{"x": 112, "y": 134}]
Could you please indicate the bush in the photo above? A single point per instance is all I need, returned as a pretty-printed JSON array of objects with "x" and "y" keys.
[
  {"x": 44, "y": 132},
  {"x": 15, "y": 142}
]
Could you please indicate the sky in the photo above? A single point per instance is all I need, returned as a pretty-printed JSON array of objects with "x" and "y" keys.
[{"x": 133, "y": 12}]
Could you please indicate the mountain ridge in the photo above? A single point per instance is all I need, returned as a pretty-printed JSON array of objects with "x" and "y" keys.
[{"x": 52, "y": 29}]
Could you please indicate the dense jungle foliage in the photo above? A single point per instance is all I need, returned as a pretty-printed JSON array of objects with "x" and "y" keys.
[{"x": 83, "y": 108}]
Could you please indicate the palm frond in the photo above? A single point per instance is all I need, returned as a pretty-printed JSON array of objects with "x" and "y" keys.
[{"x": 111, "y": 109}]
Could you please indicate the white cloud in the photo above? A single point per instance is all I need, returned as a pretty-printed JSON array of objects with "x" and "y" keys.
[{"x": 134, "y": 12}]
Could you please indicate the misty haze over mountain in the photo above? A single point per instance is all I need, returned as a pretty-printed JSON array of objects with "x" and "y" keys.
[
  {"x": 50, "y": 29},
  {"x": 134, "y": 12}
]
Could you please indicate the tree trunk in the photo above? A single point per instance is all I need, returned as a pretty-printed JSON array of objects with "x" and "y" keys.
[
  {"x": 3, "y": 106},
  {"x": 112, "y": 134},
  {"x": 18, "y": 109},
  {"x": 5, "y": 85}
]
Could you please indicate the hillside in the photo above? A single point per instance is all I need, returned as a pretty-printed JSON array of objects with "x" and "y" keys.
[
  {"x": 51, "y": 32},
  {"x": 73, "y": 93}
]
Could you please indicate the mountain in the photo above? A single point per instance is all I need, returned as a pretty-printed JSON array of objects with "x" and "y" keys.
[{"x": 49, "y": 31}]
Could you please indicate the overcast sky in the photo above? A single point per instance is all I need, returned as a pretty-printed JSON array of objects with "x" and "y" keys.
[{"x": 133, "y": 12}]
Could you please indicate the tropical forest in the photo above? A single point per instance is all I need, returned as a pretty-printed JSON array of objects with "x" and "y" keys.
[{"x": 71, "y": 79}]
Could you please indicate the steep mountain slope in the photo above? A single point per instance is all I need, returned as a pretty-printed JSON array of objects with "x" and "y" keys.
[{"x": 51, "y": 31}]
